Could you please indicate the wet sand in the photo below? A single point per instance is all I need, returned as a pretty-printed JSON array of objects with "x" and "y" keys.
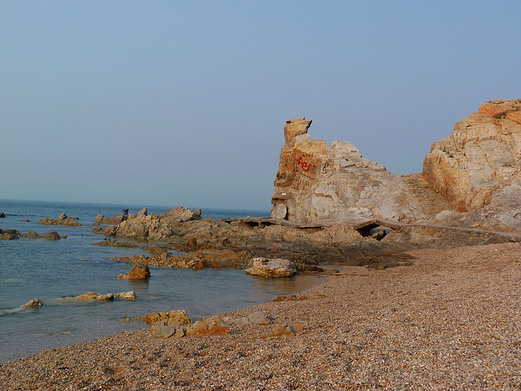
[{"x": 451, "y": 320}]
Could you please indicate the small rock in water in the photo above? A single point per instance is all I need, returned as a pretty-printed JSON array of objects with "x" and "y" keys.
[
  {"x": 138, "y": 272},
  {"x": 33, "y": 303},
  {"x": 130, "y": 295},
  {"x": 96, "y": 296}
]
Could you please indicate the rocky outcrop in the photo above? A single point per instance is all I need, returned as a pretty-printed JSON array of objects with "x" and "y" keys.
[
  {"x": 318, "y": 183},
  {"x": 265, "y": 267},
  {"x": 62, "y": 219},
  {"x": 470, "y": 179},
  {"x": 2, "y": 215},
  {"x": 478, "y": 167},
  {"x": 151, "y": 227}
]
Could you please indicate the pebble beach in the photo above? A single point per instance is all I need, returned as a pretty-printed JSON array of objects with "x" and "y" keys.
[{"x": 450, "y": 320}]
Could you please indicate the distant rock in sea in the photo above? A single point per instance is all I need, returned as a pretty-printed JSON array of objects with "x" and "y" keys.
[{"x": 62, "y": 219}]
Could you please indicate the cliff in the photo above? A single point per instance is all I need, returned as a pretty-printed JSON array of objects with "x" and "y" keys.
[{"x": 469, "y": 179}]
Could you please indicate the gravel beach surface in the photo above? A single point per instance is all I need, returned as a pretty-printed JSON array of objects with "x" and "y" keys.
[{"x": 449, "y": 321}]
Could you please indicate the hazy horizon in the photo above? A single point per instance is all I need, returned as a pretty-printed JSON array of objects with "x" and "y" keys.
[{"x": 184, "y": 103}]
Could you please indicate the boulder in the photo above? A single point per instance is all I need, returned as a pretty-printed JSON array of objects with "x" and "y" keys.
[
  {"x": 266, "y": 267},
  {"x": 96, "y": 296},
  {"x": 33, "y": 303},
  {"x": 138, "y": 272},
  {"x": 175, "y": 318}
]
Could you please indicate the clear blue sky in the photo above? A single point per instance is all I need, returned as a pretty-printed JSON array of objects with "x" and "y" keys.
[{"x": 184, "y": 102}]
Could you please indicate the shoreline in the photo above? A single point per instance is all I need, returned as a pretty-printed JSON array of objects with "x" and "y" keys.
[{"x": 452, "y": 319}]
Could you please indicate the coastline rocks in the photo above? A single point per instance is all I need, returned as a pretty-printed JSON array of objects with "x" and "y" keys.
[
  {"x": 475, "y": 173},
  {"x": 2, "y": 215},
  {"x": 151, "y": 227},
  {"x": 33, "y": 303},
  {"x": 175, "y": 318},
  {"x": 114, "y": 243},
  {"x": 9, "y": 234},
  {"x": 138, "y": 272},
  {"x": 47, "y": 236},
  {"x": 101, "y": 219},
  {"x": 266, "y": 267},
  {"x": 62, "y": 219},
  {"x": 96, "y": 296}
]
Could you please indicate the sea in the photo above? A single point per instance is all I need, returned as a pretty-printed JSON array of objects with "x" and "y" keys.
[{"x": 57, "y": 271}]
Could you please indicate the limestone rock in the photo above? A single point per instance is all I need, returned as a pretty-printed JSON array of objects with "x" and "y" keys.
[
  {"x": 478, "y": 167},
  {"x": 318, "y": 183},
  {"x": 277, "y": 267},
  {"x": 475, "y": 173},
  {"x": 33, "y": 303}
]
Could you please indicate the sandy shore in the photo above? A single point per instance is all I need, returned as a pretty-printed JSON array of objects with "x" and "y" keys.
[{"x": 451, "y": 320}]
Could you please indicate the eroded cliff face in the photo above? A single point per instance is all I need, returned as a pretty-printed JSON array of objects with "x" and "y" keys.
[
  {"x": 471, "y": 178},
  {"x": 478, "y": 167}
]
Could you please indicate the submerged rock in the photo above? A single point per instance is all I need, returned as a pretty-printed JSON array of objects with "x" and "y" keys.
[{"x": 96, "y": 296}]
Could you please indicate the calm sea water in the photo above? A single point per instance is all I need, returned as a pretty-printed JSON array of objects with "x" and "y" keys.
[{"x": 55, "y": 270}]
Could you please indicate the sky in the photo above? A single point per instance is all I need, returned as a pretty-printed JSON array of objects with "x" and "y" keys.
[{"x": 184, "y": 102}]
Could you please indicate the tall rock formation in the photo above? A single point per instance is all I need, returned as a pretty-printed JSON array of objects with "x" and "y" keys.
[
  {"x": 471, "y": 178},
  {"x": 317, "y": 183},
  {"x": 478, "y": 167}
]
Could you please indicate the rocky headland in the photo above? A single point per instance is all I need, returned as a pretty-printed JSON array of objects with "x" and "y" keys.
[{"x": 331, "y": 205}]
